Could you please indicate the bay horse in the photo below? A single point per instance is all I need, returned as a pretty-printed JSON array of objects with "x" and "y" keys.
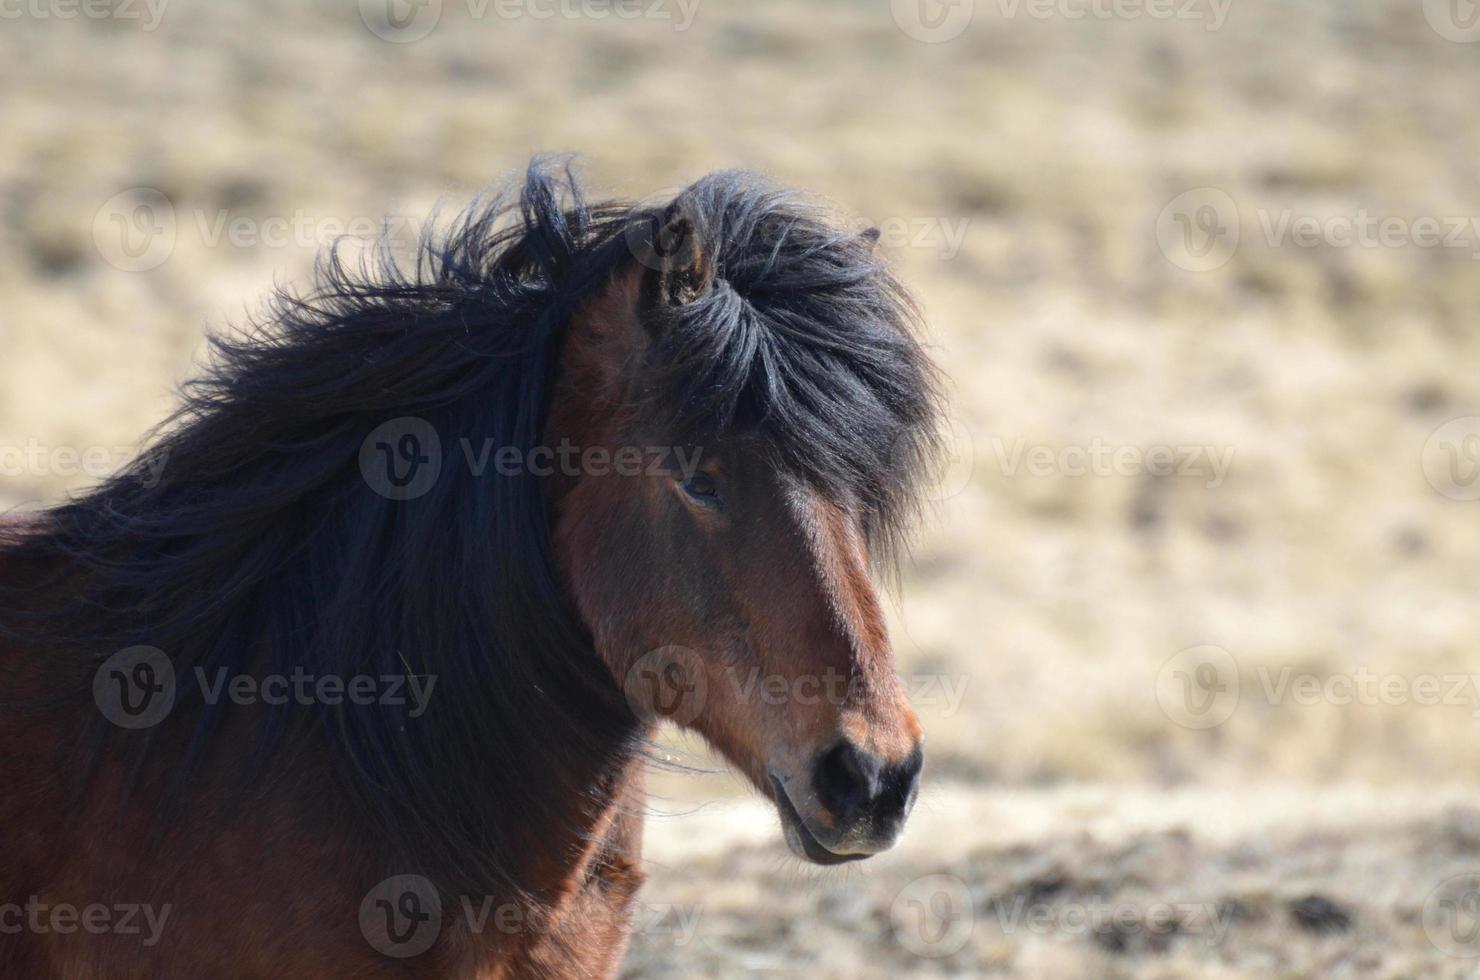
[{"x": 376, "y": 631}]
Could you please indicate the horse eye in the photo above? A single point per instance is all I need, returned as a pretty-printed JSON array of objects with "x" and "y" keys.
[{"x": 702, "y": 488}]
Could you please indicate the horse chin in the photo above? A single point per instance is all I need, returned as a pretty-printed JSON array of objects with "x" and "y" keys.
[{"x": 799, "y": 838}]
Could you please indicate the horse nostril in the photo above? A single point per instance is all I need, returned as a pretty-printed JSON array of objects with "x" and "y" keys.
[
  {"x": 903, "y": 781},
  {"x": 857, "y": 788},
  {"x": 847, "y": 780}
]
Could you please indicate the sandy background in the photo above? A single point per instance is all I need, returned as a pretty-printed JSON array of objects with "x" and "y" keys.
[{"x": 1167, "y": 440}]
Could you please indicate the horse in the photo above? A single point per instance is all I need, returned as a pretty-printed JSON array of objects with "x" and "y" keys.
[{"x": 377, "y": 630}]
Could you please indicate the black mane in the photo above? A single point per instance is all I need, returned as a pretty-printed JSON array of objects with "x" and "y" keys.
[{"x": 260, "y": 547}]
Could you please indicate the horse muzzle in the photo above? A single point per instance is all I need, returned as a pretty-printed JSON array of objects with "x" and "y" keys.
[{"x": 854, "y": 805}]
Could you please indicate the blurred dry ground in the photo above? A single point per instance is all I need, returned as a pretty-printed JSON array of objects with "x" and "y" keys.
[{"x": 1031, "y": 173}]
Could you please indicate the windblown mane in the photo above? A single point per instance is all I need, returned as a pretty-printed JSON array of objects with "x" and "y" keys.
[{"x": 257, "y": 545}]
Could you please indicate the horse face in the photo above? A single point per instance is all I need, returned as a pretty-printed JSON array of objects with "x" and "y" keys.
[
  {"x": 806, "y": 698},
  {"x": 730, "y": 596},
  {"x": 735, "y": 600}
]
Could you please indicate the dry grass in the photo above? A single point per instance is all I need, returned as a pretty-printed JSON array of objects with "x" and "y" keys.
[{"x": 1052, "y": 145}]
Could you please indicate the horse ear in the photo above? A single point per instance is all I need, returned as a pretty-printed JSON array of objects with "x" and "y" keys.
[
  {"x": 671, "y": 268},
  {"x": 680, "y": 270}
]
